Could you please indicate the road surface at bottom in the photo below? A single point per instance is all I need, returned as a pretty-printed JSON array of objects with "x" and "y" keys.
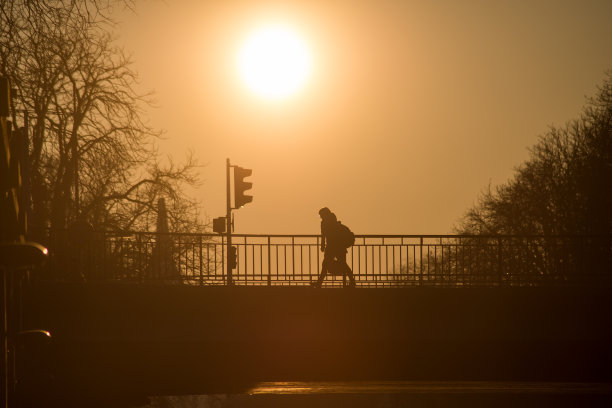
[{"x": 403, "y": 394}]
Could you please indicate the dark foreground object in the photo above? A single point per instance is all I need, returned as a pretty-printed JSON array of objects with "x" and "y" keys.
[{"x": 127, "y": 342}]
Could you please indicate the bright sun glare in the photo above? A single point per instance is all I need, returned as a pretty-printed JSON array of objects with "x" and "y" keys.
[{"x": 274, "y": 62}]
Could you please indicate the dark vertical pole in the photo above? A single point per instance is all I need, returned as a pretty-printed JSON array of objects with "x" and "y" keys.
[
  {"x": 229, "y": 223},
  {"x": 6, "y": 232},
  {"x": 222, "y": 256}
]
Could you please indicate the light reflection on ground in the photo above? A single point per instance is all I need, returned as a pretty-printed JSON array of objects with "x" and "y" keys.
[
  {"x": 429, "y": 387},
  {"x": 401, "y": 394}
]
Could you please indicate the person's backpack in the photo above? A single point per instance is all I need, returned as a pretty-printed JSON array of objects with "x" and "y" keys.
[{"x": 345, "y": 236}]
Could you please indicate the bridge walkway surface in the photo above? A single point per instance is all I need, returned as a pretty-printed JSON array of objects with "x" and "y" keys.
[{"x": 118, "y": 340}]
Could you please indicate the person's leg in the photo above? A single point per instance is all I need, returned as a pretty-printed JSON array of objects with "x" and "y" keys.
[
  {"x": 348, "y": 271},
  {"x": 327, "y": 258}
]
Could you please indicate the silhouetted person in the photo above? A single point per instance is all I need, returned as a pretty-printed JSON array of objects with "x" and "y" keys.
[{"x": 334, "y": 244}]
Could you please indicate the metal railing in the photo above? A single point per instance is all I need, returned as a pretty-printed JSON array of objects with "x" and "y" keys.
[{"x": 295, "y": 260}]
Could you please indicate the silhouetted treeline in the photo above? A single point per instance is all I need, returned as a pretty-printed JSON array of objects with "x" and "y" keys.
[
  {"x": 564, "y": 188},
  {"x": 562, "y": 193}
]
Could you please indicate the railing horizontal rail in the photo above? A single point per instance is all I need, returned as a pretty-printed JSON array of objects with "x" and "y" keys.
[
  {"x": 198, "y": 234},
  {"x": 293, "y": 260}
]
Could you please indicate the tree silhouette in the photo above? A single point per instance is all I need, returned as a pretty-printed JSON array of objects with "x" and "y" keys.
[
  {"x": 563, "y": 190},
  {"x": 92, "y": 153}
]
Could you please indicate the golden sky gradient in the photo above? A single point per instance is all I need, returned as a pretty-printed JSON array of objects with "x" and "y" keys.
[{"x": 411, "y": 108}]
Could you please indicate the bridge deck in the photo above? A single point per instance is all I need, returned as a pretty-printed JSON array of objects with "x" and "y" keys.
[{"x": 172, "y": 340}]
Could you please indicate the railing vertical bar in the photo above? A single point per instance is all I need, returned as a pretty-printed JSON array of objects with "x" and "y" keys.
[
  {"x": 223, "y": 266},
  {"x": 310, "y": 262},
  {"x": 374, "y": 266},
  {"x": 499, "y": 260},
  {"x": 246, "y": 261},
  {"x": 317, "y": 252},
  {"x": 444, "y": 277},
  {"x": 380, "y": 270},
  {"x": 276, "y": 258},
  {"x": 301, "y": 262},
  {"x": 236, "y": 274},
  {"x": 456, "y": 258},
  {"x": 400, "y": 256},
  {"x": 463, "y": 266},
  {"x": 269, "y": 264},
  {"x": 365, "y": 260},
  {"x": 353, "y": 262},
  {"x": 359, "y": 262},
  {"x": 421, "y": 262},
  {"x": 293, "y": 258},
  {"x": 285, "y": 260},
  {"x": 436, "y": 273},
  {"x": 261, "y": 270},
  {"x": 428, "y": 262},
  {"x": 201, "y": 263},
  {"x": 179, "y": 254},
  {"x": 207, "y": 259},
  {"x": 393, "y": 257}
]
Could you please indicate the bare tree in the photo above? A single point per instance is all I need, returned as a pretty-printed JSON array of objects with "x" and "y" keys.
[{"x": 92, "y": 154}]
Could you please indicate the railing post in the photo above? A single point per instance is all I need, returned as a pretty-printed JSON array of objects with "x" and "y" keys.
[
  {"x": 499, "y": 260},
  {"x": 269, "y": 264},
  {"x": 223, "y": 272},
  {"x": 293, "y": 258},
  {"x": 172, "y": 252},
  {"x": 421, "y": 261},
  {"x": 317, "y": 250},
  {"x": 353, "y": 261},
  {"x": 201, "y": 264},
  {"x": 246, "y": 258}
]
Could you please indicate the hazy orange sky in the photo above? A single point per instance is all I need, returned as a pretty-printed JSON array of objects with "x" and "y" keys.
[{"x": 412, "y": 107}]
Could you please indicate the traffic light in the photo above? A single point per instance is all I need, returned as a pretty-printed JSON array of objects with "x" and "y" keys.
[
  {"x": 240, "y": 186},
  {"x": 233, "y": 257},
  {"x": 219, "y": 224}
]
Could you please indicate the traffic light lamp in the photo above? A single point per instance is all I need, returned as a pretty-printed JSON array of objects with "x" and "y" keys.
[{"x": 240, "y": 186}]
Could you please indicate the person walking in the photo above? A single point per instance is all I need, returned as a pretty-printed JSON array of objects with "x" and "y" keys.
[{"x": 335, "y": 239}]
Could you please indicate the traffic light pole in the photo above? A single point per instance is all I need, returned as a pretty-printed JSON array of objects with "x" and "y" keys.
[
  {"x": 228, "y": 262},
  {"x": 240, "y": 199}
]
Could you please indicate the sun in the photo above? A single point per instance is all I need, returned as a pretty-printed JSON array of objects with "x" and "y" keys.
[{"x": 274, "y": 62}]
